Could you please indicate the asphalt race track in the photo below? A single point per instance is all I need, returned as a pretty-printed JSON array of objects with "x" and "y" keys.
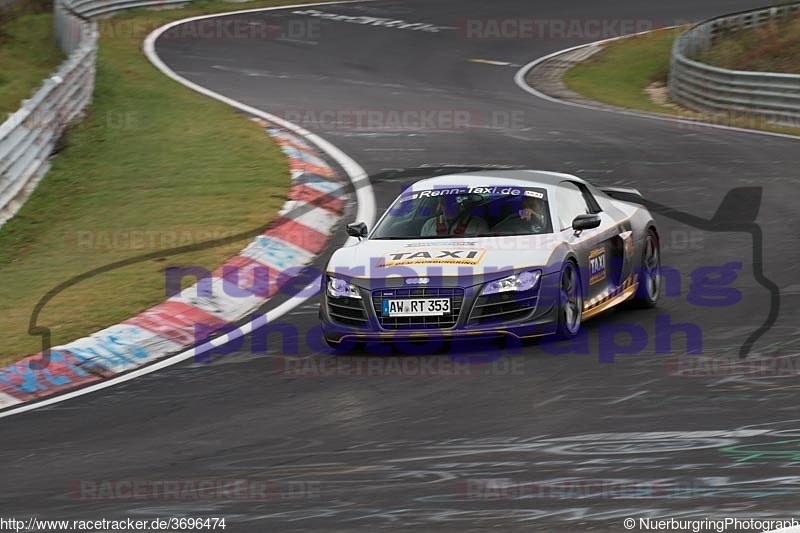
[{"x": 578, "y": 444}]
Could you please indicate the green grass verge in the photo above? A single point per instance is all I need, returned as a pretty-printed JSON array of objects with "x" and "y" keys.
[
  {"x": 151, "y": 157},
  {"x": 770, "y": 48},
  {"x": 619, "y": 73},
  {"x": 622, "y": 72},
  {"x": 28, "y": 53}
]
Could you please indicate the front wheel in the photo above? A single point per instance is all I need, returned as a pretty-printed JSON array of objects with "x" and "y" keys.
[
  {"x": 650, "y": 280},
  {"x": 570, "y": 308}
]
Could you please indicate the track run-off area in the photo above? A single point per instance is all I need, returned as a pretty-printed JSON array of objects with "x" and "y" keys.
[{"x": 542, "y": 436}]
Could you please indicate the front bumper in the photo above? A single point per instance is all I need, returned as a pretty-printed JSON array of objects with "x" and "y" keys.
[{"x": 523, "y": 315}]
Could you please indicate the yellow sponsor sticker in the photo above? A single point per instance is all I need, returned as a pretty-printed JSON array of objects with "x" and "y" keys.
[
  {"x": 438, "y": 256},
  {"x": 597, "y": 265}
]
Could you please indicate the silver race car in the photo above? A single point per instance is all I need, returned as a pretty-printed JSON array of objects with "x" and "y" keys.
[{"x": 516, "y": 252}]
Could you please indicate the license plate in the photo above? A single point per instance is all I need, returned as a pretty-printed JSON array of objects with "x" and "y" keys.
[{"x": 416, "y": 307}]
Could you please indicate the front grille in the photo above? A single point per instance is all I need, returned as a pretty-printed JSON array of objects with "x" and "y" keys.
[
  {"x": 347, "y": 311},
  {"x": 456, "y": 296},
  {"x": 503, "y": 307}
]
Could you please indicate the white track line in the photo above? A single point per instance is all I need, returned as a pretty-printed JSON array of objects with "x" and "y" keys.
[
  {"x": 364, "y": 197},
  {"x": 626, "y": 398},
  {"x": 519, "y": 79}
]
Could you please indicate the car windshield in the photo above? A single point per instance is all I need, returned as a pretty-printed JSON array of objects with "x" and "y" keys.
[{"x": 445, "y": 212}]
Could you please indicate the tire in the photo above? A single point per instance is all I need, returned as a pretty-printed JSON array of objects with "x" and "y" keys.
[
  {"x": 570, "y": 302},
  {"x": 651, "y": 282}
]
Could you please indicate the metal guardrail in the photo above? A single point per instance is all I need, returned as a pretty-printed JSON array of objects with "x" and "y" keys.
[
  {"x": 705, "y": 88},
  {"x": 95, "y": 8},
  {"x": 29, "y": 136}
]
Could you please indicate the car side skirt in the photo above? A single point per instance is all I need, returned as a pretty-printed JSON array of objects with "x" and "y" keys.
[{"x": 619, "y": 295}]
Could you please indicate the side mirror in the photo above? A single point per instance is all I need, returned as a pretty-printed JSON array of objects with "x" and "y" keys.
[
  {"x": 582, "y": 222},
  {"x": 357, "y": 229}
]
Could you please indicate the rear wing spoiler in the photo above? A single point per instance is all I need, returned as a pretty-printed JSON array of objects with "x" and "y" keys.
[{"x": 625, "y": 194}]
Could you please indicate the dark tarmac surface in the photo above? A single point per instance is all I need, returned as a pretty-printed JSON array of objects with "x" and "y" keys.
[{"x": 529, "y": 439}]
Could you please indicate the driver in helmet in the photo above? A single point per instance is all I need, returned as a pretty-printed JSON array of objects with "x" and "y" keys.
[
  {"x": 530, "y": 218},
  {"x": 454, "y": 218},
  {"x": 533, "y": 211}
]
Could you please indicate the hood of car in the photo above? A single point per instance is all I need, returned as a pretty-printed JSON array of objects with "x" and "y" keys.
[{"x": 437, "y": 258}]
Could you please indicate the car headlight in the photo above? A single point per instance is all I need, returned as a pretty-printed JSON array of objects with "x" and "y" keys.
[
  {"x": 524, "y": 281},
  {"x": 339, "y": 288}
]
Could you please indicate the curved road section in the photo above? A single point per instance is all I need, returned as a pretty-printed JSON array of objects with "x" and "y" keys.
[{"x": 276, "y": 435}]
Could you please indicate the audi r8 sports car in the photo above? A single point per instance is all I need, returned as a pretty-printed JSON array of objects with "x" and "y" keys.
[{"x": 515, "y": 252}]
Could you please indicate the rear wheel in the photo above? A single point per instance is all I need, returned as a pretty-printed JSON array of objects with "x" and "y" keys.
[
  {"x": 650, "y": 281},
  {"x": 570, "y": 308}
]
